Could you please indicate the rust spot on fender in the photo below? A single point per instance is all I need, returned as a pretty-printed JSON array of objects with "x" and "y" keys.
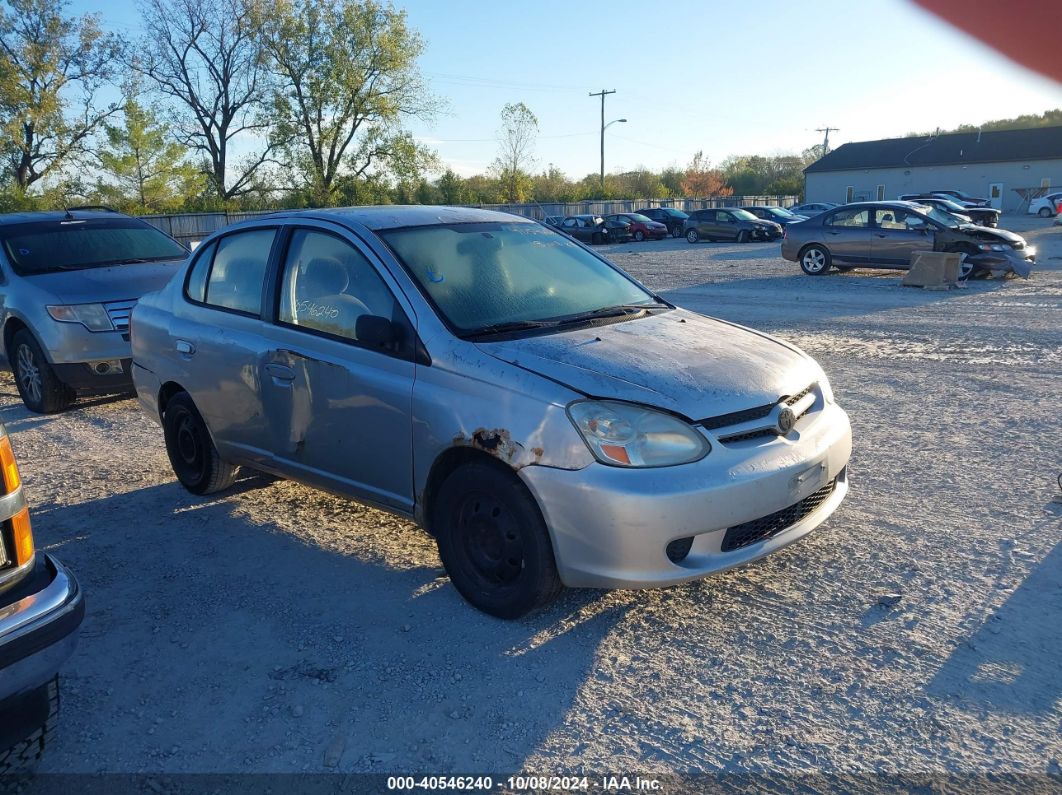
[{"x": 499, "y": 443}]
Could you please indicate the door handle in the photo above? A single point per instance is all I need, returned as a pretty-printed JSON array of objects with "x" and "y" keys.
[
  {"x": 282, "y": 374},
  {"x": 185, "y": 348},
  {"x": 834, "y": 233},
  {"x": 879, "y": 234}
]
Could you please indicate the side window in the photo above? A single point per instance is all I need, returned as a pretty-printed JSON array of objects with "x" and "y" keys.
[
  {"x": 196, "y": 288},
  {"x": 328, "y": 284},
  {"x": 726, "y": 218},
  {"x": 238, "y": 273},
  {"x": 850, "y": 218}
]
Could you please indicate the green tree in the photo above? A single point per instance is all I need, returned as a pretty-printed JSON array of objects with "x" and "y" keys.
[
  {"x": 516, "y": 142},
  {"x": 50, "y": 68},
  {"x": 146, "y": 171},
  {"x": 345, "y": 80},
  {"x": 452, "y": 188}
]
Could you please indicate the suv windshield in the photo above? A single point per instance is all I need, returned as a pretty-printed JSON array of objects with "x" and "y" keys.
[
  {"x": 47, "y": 246},
  {"x": 498, "y": 277}
]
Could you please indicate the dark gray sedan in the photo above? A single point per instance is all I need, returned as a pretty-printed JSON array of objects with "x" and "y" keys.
[{"x": 885, "y": 235}]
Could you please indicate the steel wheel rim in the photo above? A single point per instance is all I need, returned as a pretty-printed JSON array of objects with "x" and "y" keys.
[
  {"x": 691, "y": 236},
  {"x": 187, "y": 446},
  {"x": 814, "y": 260},
  {"x": 491, "y": 541},
  {"x": 29, "y": 375}
]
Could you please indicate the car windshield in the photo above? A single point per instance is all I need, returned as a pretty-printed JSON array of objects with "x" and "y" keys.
[
  {"x": 48, "y": 246},
  {"x": 641, "y": 219},
  {"x": 951, "y": 206},
  {"x": 940, "y": 216},
  {"x": 499, "y": 276},
  {"x": 743, "y": 215},
  {"x": 676, "y": 213},
  {"x": 780, "y": 211}
]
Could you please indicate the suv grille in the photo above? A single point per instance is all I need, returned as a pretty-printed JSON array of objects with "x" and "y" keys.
[
  {"x": 118, "y": 312},
  {"x": 742, "y": 535}
]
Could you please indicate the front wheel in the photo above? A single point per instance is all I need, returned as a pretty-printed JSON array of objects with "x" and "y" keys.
[
  {"x": 815, "y": 260},
  {"x": 692, "y": 236},
  {"x": 20, "y": 759},
  {"x": 192, "y": 453},
  {"x": 1045, "y": 212},
  {"x": 38, "y": 385},
  {"x": 639, "y": 235},
  {"x": 743, "y": 236},
  {"x": 493, "y": 541}
]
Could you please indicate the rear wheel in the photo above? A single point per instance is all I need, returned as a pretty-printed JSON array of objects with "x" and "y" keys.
[
  {"x": 692, "y": 236},
  {"x": 192, "y": 453},
  {"x": 493, "y": 541},
  {"x": 38, "y": 385},
  {"x": 815, "y": 260},
  {"x": 676, "y": 231},
  {"x": 1045, "y": 212}
]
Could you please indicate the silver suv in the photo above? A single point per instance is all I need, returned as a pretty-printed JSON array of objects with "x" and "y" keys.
[
  {"x": 548, "y": 419},
  {"x": 68, "y": 281}
]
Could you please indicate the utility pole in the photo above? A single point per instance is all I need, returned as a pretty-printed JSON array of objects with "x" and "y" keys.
[
  {"x": 826, "y": 140},
  {"x": 602, "y": 93}
]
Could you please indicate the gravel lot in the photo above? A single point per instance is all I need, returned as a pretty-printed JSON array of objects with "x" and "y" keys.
[{"x": 276, "y": 628}]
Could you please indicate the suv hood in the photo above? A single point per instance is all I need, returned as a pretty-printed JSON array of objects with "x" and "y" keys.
[
  {"x": 692, "y": 365},
  {"x": 114, "y": 283}
]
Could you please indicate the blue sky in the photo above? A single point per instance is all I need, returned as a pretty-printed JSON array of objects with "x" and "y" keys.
[{"x": 727, "y": 78}]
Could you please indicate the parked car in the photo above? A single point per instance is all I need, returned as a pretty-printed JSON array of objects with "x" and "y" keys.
[
  {"x": 41, "y": 609},
  {"x": 668, "y": 216},
  {"x": 885, "y": 235},
  {"x": 544, "y": 416},
  {"x": 729, "y": 223},
  {"x": 960, "y": 196},
  {"x": 553, "y": 220},
  {"x": 982, "y": 216},
  {"x": 811, "y": 209},
  {"x": 69, "y": 281},
  {"x": 594, "y": 229},
  {"x": 642, "y": 228},
  {"x": 778, "y": 215},
  {"x": 1046, "y": 206}
]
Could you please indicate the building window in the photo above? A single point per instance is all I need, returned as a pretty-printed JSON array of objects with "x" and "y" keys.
[
  {"x": 849, "y": 193},
  {"x": 881, "y": 193}
]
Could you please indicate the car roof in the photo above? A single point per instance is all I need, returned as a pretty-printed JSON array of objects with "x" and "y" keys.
[
  {"x": 58, "y": 215},
  {"x": 396, "y": 216}
]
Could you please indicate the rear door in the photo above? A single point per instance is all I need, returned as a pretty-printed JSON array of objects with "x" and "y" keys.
[
  {"x": 218, "y": 339},
  {"x": 846, "y": 233},
  {"x": 339, "y": 405},
  {"x": 897, "y": 235}
]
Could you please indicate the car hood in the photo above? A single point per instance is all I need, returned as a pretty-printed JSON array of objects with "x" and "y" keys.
[
  {"x": 119, "y": 282},
  {"x": 983, "y": 232},
  {"x": 687, "y": 363}
]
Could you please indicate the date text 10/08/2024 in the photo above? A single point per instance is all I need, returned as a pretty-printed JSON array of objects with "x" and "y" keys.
[{"x": 525, "y": 783}]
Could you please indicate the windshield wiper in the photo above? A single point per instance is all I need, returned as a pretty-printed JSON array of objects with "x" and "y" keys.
[{"x": 502, "y": 328}]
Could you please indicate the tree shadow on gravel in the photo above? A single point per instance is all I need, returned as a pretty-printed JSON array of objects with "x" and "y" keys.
[
  {"x": 1014, "y": 662},
  {"x": 213, "y": 643}
]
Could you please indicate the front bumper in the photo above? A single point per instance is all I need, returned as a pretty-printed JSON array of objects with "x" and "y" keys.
[
  {"x": 85, "y": 379},
  {"x": 39, "y": 623},
  {"x": 611, "y": 526}
]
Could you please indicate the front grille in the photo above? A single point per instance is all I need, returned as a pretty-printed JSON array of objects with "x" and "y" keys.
[
  {"x": 118, "y": 312},
  {"x": 742, "y": 535},
  {"x": 737, "y": 417},
  {"x": 796, "y": 398}
]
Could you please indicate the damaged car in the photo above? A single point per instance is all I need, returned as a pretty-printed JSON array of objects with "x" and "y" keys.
[
  {"x": 549, "y": 420},
  {"x": 887, "y": 234}
]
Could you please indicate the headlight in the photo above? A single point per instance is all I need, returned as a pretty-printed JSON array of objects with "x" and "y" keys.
[
  {"x": 629, "y": 435},
  {"x": 94, "y": 317},
  {"x": 992, "y": 247}
]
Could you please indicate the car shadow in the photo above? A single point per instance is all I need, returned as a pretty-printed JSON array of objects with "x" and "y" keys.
[
  {"x": 219, "y": 643},
  {"x": 1012, "y": 663}
]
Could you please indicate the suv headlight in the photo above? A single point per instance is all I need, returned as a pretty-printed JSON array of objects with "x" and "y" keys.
[
  {"x": 94, "y": 317},
  {"x": 629, "y": 435}
]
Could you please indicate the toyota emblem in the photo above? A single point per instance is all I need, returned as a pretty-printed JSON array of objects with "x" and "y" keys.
[{"x": 786, "y": 420}]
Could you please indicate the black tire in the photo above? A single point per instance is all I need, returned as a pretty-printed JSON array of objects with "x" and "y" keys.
[
  {"x": 595, "y": 239},
  {"x": 21, "y": 758},
  {"x": 493, "y": 541},
  {"x": 38, "y": 385},
  {"x": 676, "y": 231},
  {"x": 1045, "y": 212},
  {"x": 639, "y": 235},
  {"x": 815, "y": 260},
  {"x": 743, "y": 236},
  {"x": 192, "y": 453},
  {"x": 692, "y": 236}
]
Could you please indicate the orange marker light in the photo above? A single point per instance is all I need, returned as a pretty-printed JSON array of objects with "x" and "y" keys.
[
  {"x": 20, "y": 523},
  {"x": 616, "y": 453},
  {"x": 8, "y": 465}
]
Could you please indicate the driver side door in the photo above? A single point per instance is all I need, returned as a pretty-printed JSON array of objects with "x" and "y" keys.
[{"x": 897, "y": 235}]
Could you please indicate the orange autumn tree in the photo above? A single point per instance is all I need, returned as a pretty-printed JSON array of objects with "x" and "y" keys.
[{"x": 702, "y": 180}]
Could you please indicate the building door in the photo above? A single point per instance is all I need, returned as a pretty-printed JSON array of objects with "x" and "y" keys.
[{"x": 995, "y": 195}]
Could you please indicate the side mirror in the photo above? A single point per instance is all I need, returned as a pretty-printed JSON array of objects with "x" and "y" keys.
[{"x": 376, "y": 331}]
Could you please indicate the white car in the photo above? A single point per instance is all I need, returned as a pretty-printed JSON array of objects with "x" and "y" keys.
[{"x": 1046, "y": 206}]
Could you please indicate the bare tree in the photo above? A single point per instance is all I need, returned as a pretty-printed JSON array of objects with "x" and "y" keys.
[
  {"x": 50, "y": 69},
  {"x": 207, "y": 58},
  {"x": 346, "y": 78},
  {"x": 516, "y": 140}
]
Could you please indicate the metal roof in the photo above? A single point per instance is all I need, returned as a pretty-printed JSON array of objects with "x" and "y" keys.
[
  {"x": 393, "y": 216},
  {"x": 1039, "y": 143}
]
